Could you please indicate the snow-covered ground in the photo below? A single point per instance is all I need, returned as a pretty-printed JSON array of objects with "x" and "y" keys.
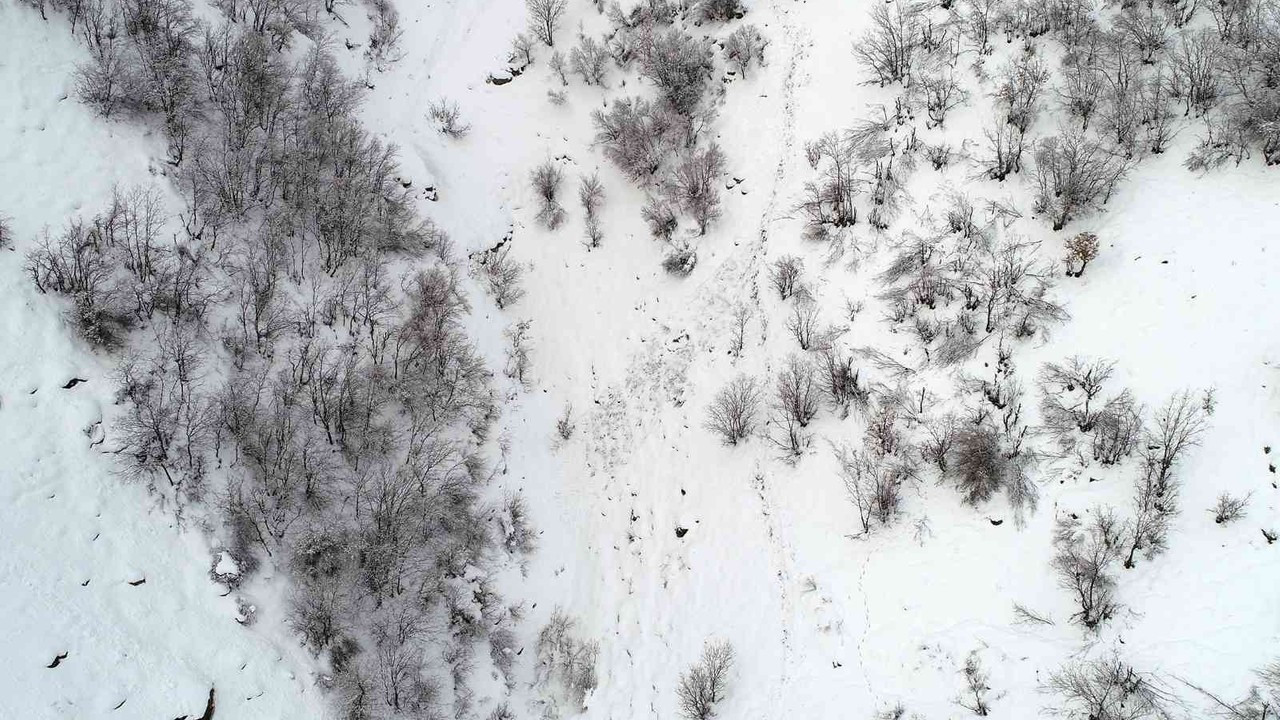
[{"x": 826, "y": 624}]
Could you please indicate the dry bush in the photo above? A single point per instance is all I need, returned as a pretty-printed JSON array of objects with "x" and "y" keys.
[
  {"x": 732, "y": 414},
  {"x": 1229, "y": 508},
  {"x": 546, "y": 179},
  {"x": 1087, "y": 553},
  {"x": 1109, "y": 689},
  {"x": 448, "y": 118}
]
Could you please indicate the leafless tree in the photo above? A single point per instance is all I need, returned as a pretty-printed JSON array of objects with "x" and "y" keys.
[
  {"x": 566, "y": 659},
  {"x": 745, "y": 47},
  {"x": 706, "y": 683},
  {"x": 888, "y": 48},
  {"x": 785, "y": 275},
  {"x": 544, "y": 17},
  {"x": 1087, "y": 552},
  {"x": 694, "y": 185},
  {"x": 942, "y": 94},
  {"x": 1109, "y": 689},
  {"x": 1074, "y": 174},
  {"x": 732, "y": 414},
  {"x": 591, "y": 195},
  {"x": 590, "y": 60},
  {"x": 797, "y": 390},
  {"x": 1194, "y": 71},
  {"x": 873, "y": 484},
  {"x": 1005, "y": 145},
  {"x": 546, "y": 179},
  {"x": 1018, "y": 90}
]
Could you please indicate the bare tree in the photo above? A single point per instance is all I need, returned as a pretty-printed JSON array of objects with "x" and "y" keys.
[
  {"x": 888, "y": 48},
  {"x": 1086, "y": 555},
  {"x": 590, "y": 60},
  {"x": 706, "y": 683},
  {"x": 591, "y": 195},
  {"x": 546, "y": 179},
  {"x": 694, "y": 185},
  {"x": 798, "y": 393},
  {"x": 873, "y": 484},
  {"x": 732, "y": 414},
  {"x": 1109, "y": 689},
  {"x": 1081, "y": 249},
  {"x": 1194, "y": 70},
  {"x": 1019, "y": 88},
  {"x": 544, "y": 16},
  {"x": 1074, "y": 174},
  {"x": 785, "y": 275},
  {"x": 745, "y": 47}
]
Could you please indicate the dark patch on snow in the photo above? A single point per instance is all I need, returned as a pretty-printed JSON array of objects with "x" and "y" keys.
[
  {"x": 57, "y": 660},
  {"x": 136, "y": 583},
  {"x": 681, "y": 532},
  {"x": 73, "y": 382}
]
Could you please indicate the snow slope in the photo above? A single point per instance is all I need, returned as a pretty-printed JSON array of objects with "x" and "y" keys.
[
  {"x": 826, "y": 624},
  {"x": 93, "y": 571}
]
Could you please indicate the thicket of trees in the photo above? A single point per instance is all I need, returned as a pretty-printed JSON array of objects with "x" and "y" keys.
[{"x": 277, "y": 361}]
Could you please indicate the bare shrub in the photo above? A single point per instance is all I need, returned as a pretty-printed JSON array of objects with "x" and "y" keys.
[
  {"x": 518, "y": 347},
  {"x": 785, "y": 275},
  {"x": 942, "y": 94},
  {"x": 1019, "y": 88},
  {"x": 797, "y": 391},
  {"x": 383, "y": 48},
  {"x": 521, "y": 51},
  {"x": 546, "y": 179},
  {"x": 660, "y": 218},
  {"x": 1229, "y": 508},
  {"x": 680, "y": 260},
  {"x": 732, "y": 414},
  {"x": 590, "y": 60},
  {"x": 1074, "y": 174},
  {"x": 720, "y": 10},
  {"x": 6, "y": 231},
  {"x": 1109, "y": 689},
  {"x": 1005, "y": 144},
  {"x": 976, "y": 695},
  {"x": 1194, "y": 70},
  {"x": 566, "y": 660},
  {"x": 1087, "y": 553},
  {"x": 888, "y": 48},
  {"x": 502, "y": 275},
  {"x": 448, "y": 118},
  {"x": 680, "y": 67},
  {"x": 745, "y": 47},
  {"x": 518, "y": 534},
  {"x": 565, "y": 425},
  {"x": 694, "y": 184},
  {"x": 981, "y": 467},
  {"x": 873, "y": 484},
  {"x": 842, "y": 383},
  {"x": 544, "y": 17},
  {"x": 635, "y": 135},
  {"x": 591, "y": 195},
  {"x": 706, "y": 683}
]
